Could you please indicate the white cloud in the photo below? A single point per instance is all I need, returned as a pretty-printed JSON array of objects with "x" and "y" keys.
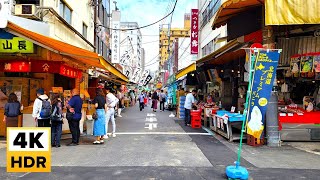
[{"x": 148, "y": 11}]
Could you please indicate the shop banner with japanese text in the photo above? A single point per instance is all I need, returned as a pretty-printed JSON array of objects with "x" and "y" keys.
[
  {"x": 194, "y": 31},
  {"x": 265, "y": 68}
]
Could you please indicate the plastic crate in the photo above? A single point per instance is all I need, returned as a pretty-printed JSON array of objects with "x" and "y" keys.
[
  {"x": 252, "y": 141},
  {"x": 195, "y": 125}
]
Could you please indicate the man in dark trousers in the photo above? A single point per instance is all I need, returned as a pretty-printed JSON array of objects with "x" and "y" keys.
[{"x": 75, "y": 107}]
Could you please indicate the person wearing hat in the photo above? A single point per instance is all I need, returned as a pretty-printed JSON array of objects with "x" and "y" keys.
[{"x": 41, "y": 120}]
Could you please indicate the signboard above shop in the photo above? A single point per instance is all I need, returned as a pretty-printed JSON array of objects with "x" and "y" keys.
[{"x": 16, "y": 45}]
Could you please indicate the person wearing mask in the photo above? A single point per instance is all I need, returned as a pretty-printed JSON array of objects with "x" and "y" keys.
[
  {"x": 12, "y": 111},
  {"x": 111, "y": 102},
  {"x": 56, "y": 121},
  {"x": 42, "y": 109},
  {"x": 74, "y": 108},
  {"x": 163, "y": 98},
  {"x": 155, "y": 98},
  {"x": 141, "y": 100},
  {"x": 189, "y": 102},
  {"x": 99, "y": 129}
]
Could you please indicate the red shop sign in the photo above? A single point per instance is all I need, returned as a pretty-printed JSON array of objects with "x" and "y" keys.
[
  {"x": 45, "y": 66},
  {"x": 194, "y": 31},
  {"x": 15, "y": 66},
  {"x": 70, "y": 72}
]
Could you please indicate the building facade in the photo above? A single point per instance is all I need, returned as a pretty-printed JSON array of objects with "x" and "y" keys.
[
  {"x": 131, "y": 50},
  {"x": 209, "y": 40}
]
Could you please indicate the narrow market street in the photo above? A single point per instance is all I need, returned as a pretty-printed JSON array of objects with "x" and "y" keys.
[{"x": 169, "y": 150}]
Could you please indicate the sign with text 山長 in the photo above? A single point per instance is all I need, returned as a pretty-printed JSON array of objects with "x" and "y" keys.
[
  {"x": 265, "y": 67},
  {"x": 16, "y": 45},
  {"x": 28, "y": 149}
]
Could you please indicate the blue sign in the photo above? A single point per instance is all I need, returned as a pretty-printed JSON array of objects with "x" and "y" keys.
[{"x": 263, "y": 77}]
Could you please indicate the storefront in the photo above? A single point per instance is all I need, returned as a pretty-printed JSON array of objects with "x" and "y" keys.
[
  {"x": 286, "y": 26},
  {"x": 29, "y": 61},
  {"x": 298, "y": 82}
]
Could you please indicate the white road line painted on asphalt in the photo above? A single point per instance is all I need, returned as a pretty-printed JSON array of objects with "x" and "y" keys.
[
  {"x": 161, "y": 133},
  {"x": 24, "y": 174}
]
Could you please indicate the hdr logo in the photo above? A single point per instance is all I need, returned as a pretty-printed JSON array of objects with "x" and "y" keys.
[{"x": 28, "y": 149}]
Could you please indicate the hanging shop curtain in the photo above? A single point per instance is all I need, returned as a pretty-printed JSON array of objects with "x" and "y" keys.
[{"x": 285, "y": 12}]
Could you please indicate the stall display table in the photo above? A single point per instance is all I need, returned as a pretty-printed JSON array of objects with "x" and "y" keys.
[
  {"x": 224, "y": 125},
  {"x": 304, "y": 127}
]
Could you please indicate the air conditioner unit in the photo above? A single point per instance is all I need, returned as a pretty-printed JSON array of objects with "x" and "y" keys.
[{"x": 25, "y": 9}]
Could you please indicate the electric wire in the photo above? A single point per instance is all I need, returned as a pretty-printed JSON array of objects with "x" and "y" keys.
[{"x": 144, "y": 25}]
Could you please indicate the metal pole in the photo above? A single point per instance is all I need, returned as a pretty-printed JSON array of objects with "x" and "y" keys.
[{"x": 272, "y": 122}]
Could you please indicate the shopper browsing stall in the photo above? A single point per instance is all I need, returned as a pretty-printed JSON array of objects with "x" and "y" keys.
[{"x": 190, "y": 101}]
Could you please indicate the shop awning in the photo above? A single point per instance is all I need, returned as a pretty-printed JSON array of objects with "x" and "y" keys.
[
  {"x": 112, "y": 69},
  {"x": 284, "y": 12},
  {"x": 230, "y": 8},
  {"x": 186, "y": 70},
  {"x": 88, "y": 58},
  {"x": 229, "y": 47}
]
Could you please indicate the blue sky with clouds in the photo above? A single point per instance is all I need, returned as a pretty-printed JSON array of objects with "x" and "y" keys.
[{"x": 148, "y": 11}]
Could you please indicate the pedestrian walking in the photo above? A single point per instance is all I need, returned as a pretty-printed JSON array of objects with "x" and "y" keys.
[
  {"x": 163, "y": 98},
  {"x": 56, "y": 118},
  {"x": 111, "y": 102},
  {"x": 12, "y": 111},
  {"x": 189, "y": 102},
  {"x": 42, "y": 109},
  {"x": 141, "y": 100},
  {"x": 120, "y": 104},
  {"x": 99, "y": 126},
  {"x": 133, "y": 98},
  {"x": 150, "y": 98},
  {"x": 155, "y": 98},
  {"x": 74, "y": 116}
]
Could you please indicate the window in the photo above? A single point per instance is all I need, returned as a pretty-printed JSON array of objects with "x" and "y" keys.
[
  {"x": 84, "y": 30},
  {"x": 210, "y": 10},
  {"x": 65, "y": 12}
]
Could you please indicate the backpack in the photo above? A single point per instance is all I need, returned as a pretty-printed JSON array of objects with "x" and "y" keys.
[
  {"x": 45, "y": 109},
  {"x": 55, "y": 114}
]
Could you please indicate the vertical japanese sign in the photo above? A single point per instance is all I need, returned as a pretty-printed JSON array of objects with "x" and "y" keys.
[
  {"x": 263, "y": 77},
  {"x": 194, "y": 31},
  {"x": 115, "y": 53},
  {"x": 136, "y": 75}
]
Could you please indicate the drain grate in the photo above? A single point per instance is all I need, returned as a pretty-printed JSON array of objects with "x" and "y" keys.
[{"x": 316, "y": 150}]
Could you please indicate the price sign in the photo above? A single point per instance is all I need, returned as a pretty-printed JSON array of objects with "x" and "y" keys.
[{"x": 28, "y": 149}]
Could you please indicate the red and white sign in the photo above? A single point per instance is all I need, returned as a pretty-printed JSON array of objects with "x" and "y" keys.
[
  {"x": 15, "y": 66},
  {"x": 70, "y": 72},
  {"x": 45, "y": 66},
  {"x": 194, "y": 31}
]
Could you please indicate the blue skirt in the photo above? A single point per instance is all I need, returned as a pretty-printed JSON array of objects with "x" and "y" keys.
[{"x": 99, "y": 124}]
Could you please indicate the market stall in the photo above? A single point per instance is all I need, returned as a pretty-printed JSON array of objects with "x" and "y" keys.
[{"x": 299, "y": 98}]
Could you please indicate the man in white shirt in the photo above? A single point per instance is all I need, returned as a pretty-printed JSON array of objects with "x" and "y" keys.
[
  {"x": 111, "y": 102},
  {"x": 37, "y": 107},
  {"x": 189, "y": 102}
]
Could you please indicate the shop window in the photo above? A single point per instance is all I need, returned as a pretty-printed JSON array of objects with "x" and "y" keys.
[
  {"x": 84, "y": 30},
  {"x": 65, "y": 12}
]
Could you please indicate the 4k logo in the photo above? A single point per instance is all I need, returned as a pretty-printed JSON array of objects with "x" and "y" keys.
[{"x": 28, "y": 150}]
